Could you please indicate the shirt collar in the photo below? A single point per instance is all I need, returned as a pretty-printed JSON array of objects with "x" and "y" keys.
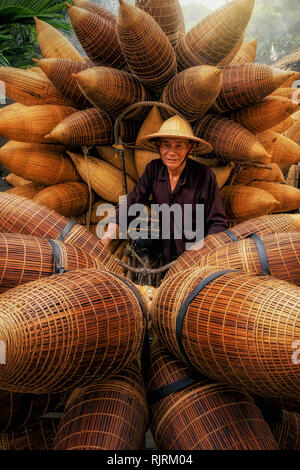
[{"x": 164, "y": 175}]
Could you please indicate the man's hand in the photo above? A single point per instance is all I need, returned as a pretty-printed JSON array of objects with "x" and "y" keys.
[{"x": 111, "y": 234}]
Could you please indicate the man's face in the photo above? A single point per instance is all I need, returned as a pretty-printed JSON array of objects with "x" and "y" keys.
[{"x": 173, "y": 151}]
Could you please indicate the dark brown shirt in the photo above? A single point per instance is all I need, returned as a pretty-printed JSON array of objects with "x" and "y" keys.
[{"x": 196, "y": 185}]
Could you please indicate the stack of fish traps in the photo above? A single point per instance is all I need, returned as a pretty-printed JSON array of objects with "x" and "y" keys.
[{"x": 210, "y": 358}]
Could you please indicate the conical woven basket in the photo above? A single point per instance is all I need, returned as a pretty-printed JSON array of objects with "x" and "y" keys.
[
  {"x": 246, "y": 53},
  {"x": 43, "y": 163},
  {"x": 289, "y": 93},
  {"x": 95, "y": 8},
  {"x": 245, "y": 84},
  {"x": 28, "y": 123},
  {"x": 97, "y": 36},
  {"x": 291, "y": 81},
  {"x": 233, "y": 327},
  {"x": 193, "y": 91},
  {"x": 38, "y": 436},
  {"x": 87, "y": 324},
  {"x": 110, "y": 155},
  {"x": 113, "y": 90},
  {"x": 284, "y": 125},
  {"x": 231, "y": 142},
  {"x": 107, "y": 415},
  {"x": 293, "y": 132},
  {"x": 151, "y": 124},
  {"x": 27, "y": 190},
  {"x": 147, "y": 50},
  {"x": 222, "y": 174},
  {"x": 105, "y": 179},
  {"x": 54, "y": 44},
  {"x": 287, "y": 430},
  {"x": 168, "y": 14},
  {"x": 228, "y": 59},
  {"x": 246, "y": 175},
  {"x": 21, "y": 215},
  {"x": 30, "y": 88},
  {"x": 211, "y": 40},
  {"x": 283, "y": 149},
  {"x": 288, "y": 198},
  {"x": 60, "y": 71},
  {"x": 275, "y": 223},
  {"x": 16, "y": 180},
  {"x": 203, "y": 415},
  {"x": 268, "y": 113}
]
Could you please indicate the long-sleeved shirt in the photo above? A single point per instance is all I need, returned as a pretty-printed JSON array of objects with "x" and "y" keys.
[{"x": 196, "y": 185}]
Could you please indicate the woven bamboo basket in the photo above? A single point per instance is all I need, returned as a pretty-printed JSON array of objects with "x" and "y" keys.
[
  {"x": 283, "y": 149},
  {"x": 168, "y": 14},
  {"x": 288, "y": 198},
  {"x": 68, "y": 199},
  {"x": 113, "y": 90},
  {"x": 231, "y": 142},
  {"x": 287, "y": 430},
  {"x": 54, "y": 44},
  {"x": 25, "y": 258},
  {"x": 86, "y": 323},
  {"x": 247, "y": 175},
  {"x": 246, "y": 53},
  {"x": 145, "y": 46},
  {"x": 95, "y": 8},
  {"x": 107, "y": 415},
  {"x": 15, "y": 180},
  {"x": 222, "y": 174},
  {"x": 60, "y": 71},
  {"x": 97, "y": 36},
  {"x": 193, "y": 91},
  {"x": 19, "y": 409},
  {"x": 245, "y": 202},
  {"x": 151, "y": 124},
  {"x": 280, "y": 259},
  {"x": 293, "y": 132},
  {"x": 105, "y": 179},
  {"x": 228, "y": 59},
  {"x": 268, "y": 113},
  {"x": 38, "y": 436},
  {"x": 289, "y": 93},
  {"x": 233, "y": 327},
  {"x": 211, "y": 40},
  {"x": 291, "y": 81},
  {"x": 275, "y": 223},
  {"x": 246, "y": 84},
  {"x": 27, "y": 190},
  {"x": 31, "y": 123},
  {"x": 203, "y": 415},
  {"x": 284, "y": 125},
  {"x": 30, "y": 88},
  {"x": 43, "y": 163},
  {"x": 110, "y": 156},
  {"x": 21, "y": 215}
]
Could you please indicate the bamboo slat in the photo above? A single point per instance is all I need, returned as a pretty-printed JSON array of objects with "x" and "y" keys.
[
  {"x": 193, "y": 91},
  {"x": 15, "y": 180},
  {"x": 60, "y": 71},
  {"x": 283, "y": 150},
  {"x": 37, "y": 436},
  {"x": 107, "y": 415},
  {"x": 246, "y": 175},
  {"x": 86, "y": 323},
  {"x": 31, "y": 123},
  {"x": 54, "y": 44},
  {"x": 97, "y": 36},
  {"x": 151, "y": 125},
  {"x": 284, "y": 125},
  {"x": 287, "y": 430},
  {"x": 293, "y": 132},
  {"x": 113, "y": 90},
  {"x": 205, "y": 415},
  {"x": 21, "y": 215},
  {"x": 239, "y": 329},
  {"x": 29, "y": 88},
  {"x": 95, "y": 8},
  {"x": 27, "y": 190},
  {"x": 168, "y": 14},
  {"x": 147, "y": 50},
  {"x": 259, "y": 117},
  {"x": 105, "y": 179},
  {"x": 246, "y": 53},
  {"x": 46, "y": 164},
  {"x": 211, "y": 40},
  {"x": 231, "y": 142},
  {"x": 246, "y": 84},
  {"x": 109, "y": 154},
  {"x": 288, "y": 198}
]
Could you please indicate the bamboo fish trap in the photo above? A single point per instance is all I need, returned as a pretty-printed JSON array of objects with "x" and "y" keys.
[
  {"x": 168, "y": 14},
  {"x": 107, "y": 415},
  {"x": 108, "y": 154},
  {"x": 246, "y": 84},
  {"x": 288, "y": 198},
  {"x": 39, "y": 435},
  {"x": 293, "y": 132},
  {"x": 87, "y": 324},
  {"x": 147, "y": 50},
  {"x": 21, "y": 215},
  {"x": 97, "y": 36},
  {"x": 200, "y": 414},
  {"x": 151, "y": 124},
  {"x": 289, "y": 93},
  {"x": 46, "y": 164},
  {"x": 233, "y": 327},
  {"x": 284, "y": 125},
  {"x": 228, "y": 59},
  {"x": 193, "y": 91},
  {"x": 231, "y": 142},
  {"x": 16, "y": 180},
  {"x": 283, "y": 150},
  {"x": 28, "y": 190},
  {"x": 211, "y": 40},
  {"x": 68, "y": 199},
  {"x": 246, "y": 53},
  {"x": 246, "y": 175},
  {"x": 95, "y": 8}
]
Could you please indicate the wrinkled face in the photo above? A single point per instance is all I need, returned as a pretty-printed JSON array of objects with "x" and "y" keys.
[{"x": 173, "y": 151}]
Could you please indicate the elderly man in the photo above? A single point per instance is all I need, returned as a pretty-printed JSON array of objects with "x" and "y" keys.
[{"x": 177, "y": 179}]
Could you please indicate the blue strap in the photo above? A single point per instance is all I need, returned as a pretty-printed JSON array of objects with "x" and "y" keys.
[
  {"x": 231, "y": 235},
  {"x": 261, "y": 253},
  {"x": 58, "y": 269},
  {"x": 66, "y": 231}
]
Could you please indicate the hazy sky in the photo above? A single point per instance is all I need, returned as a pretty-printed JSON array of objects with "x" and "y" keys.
[{"x": 212, "y": 4}]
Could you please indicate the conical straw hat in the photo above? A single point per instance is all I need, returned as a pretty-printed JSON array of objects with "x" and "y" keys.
[{"x": 176, "y": 127}]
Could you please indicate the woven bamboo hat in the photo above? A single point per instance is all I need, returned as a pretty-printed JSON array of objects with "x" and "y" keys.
[{"x": 176, "y": 127}]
